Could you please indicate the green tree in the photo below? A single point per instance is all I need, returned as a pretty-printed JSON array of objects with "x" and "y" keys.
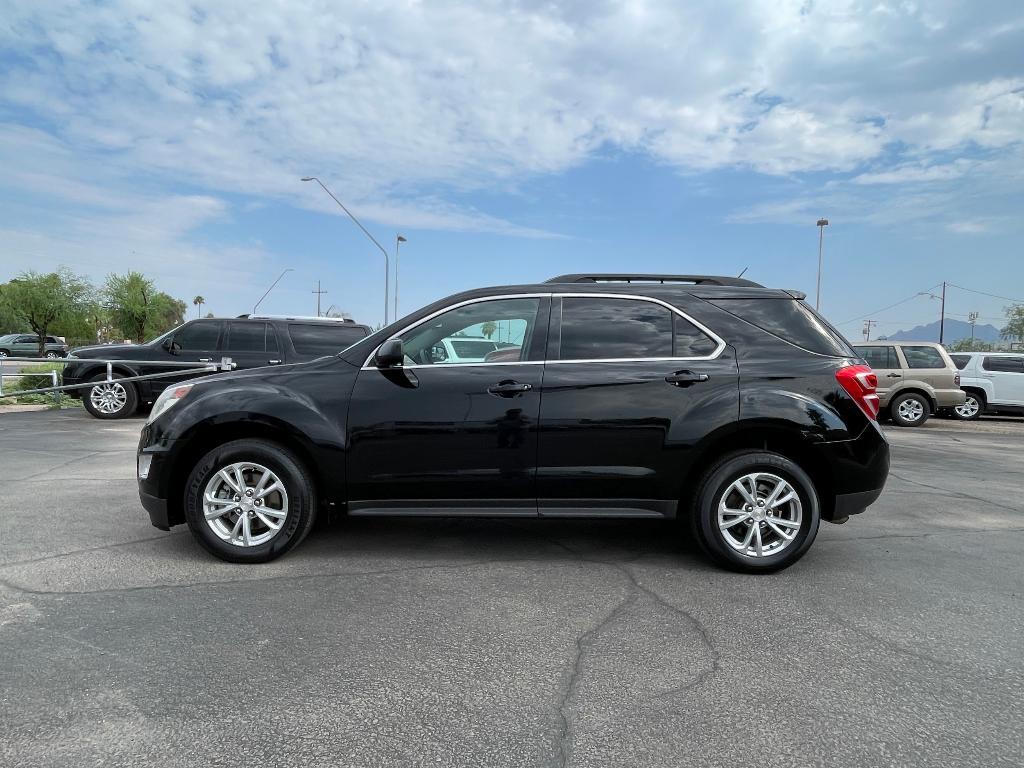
[
  {"x": 1014, "y": 328},
  {"x": 137, "y": 309},
  {"x": 45, "y": 301},
  {"x": 198, "y": 301},
  {"x": 488, "y": 328},
  {"x": 965, "y": 345}
]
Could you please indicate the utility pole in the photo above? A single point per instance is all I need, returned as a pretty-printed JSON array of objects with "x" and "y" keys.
[
  {"x": 318, "y": 293},
  {"x": 867, "y": 329},
  {"x": 972, "y": 318},
  {"x": 822, "y": 223},
  {"x": 942, "y": 314}
]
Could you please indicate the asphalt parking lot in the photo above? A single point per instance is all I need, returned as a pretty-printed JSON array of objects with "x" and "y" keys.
[{"x": 895, "y": 641}]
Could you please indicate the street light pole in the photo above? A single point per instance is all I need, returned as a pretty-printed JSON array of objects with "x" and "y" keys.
[
  {"x": 387, "y": 261},
  {"x": 271, "y": 288},
  {"x": 399, "y": 239},
  {"x": 942, "y": 314},
  {"x": 822, "y": 223}
]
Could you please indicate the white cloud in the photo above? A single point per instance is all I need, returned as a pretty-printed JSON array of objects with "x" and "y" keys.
[{"x": 402, "y": 102}]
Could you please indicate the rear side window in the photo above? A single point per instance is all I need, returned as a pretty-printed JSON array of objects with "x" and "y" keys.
[
  {"x": 791, "y": 321},
  {"x": 961, "y": 361},
  {"x": 879, "y": 358},
  {"x": 923, "y": 357},
  {"x": 323, "y": 339},
  {"x": 251, "y": 337},
  {"x": 1004, "y": 364},
  {"x": 609, "y": 329}
]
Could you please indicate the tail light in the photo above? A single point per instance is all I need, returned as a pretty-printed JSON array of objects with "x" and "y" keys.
[
  {"x": 956, "y": 379},
  {"x": 860, "y": 383}
]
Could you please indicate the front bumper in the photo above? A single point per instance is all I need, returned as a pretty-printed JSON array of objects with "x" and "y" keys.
[{"x": 154, "y": 487}]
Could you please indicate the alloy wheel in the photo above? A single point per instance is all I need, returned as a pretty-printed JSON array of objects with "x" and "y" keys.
[
  {"x": 759, "y": 514},
  {"x": 108, "y": 397},
  {"x": 911, "y": 409},
  {"x": 969, "y": 409},
  {"x": 245, "y": 504}
]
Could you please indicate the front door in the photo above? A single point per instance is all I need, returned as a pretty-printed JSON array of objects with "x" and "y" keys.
[
  {"x": 195, "y": 342},
  {"x": 630, "y": 387},
  {"x": 445, "y": 437}
]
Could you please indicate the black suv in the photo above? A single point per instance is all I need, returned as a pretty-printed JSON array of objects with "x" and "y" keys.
[
  {"x": 716, "y": 399},
  {"x": 250, "y": 341}
]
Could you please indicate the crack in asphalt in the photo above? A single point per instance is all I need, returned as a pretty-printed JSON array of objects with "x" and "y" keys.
[
  {"x": 957, "y": 494},
  {"x": 97, "y": 548}
]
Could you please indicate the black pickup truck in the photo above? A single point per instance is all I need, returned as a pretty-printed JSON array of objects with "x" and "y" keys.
[{"x": 250, "y": 341}]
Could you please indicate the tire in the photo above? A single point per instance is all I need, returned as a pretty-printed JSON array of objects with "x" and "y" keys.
[
  {"x": 972, "y": 408},
  {"x": 909, "y": 410},
  {"x": 717, "y": 487},
  {"x": 4, "y": 353},
  {"x": 225, "y": 535},
  {"x": 51, "y": 355},
  {"x": 114, "y": 401}
]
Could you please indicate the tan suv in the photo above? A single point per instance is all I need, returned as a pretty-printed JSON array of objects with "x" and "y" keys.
[{"x": 915, "y": 379}]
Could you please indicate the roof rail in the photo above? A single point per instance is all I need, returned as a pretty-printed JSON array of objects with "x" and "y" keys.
[
  {"x": 297, "y": 317},
  {"x": 641, "y": 278}
]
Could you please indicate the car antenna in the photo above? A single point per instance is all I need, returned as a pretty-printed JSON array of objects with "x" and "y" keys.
[{"x": 743, "y": 272}]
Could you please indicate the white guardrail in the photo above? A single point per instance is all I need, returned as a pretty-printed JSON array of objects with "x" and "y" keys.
[{"x": 189, "y": 367}]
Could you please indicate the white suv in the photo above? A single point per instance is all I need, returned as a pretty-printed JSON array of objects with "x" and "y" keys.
[{"x": 993, "y": 381}]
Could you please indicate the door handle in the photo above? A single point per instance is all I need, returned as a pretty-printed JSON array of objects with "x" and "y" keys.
[
  {"x": 273, "y": 362},
  {"x": 894, "y": 376},
  {"x": 685, "y": 378},
  {"x": 205, "y": 359},
  {"x": 508, "y": 389}
]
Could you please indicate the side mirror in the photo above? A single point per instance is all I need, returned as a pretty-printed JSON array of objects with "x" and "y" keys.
[
  {"x": 390, "y": 354},
  {"x": 170, "y": 346}
]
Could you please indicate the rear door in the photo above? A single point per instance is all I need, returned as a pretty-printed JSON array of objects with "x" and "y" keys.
[
  {"x": 927, "y": 364},
  {"x": 1007, "y": 376},
  {"x": 312, "y": 340},
  {"x": 631, "y": 385},
  {"x": 251, "y": 344},
  {"x": 885, "y": 364}
]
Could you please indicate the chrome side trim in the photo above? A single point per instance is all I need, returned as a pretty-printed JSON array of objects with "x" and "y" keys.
[{"x": 720, "y": 343}]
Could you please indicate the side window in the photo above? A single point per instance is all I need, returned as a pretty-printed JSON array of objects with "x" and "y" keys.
[
  {"x": 27, "y": 340},
  {"x": 610, "y": 329},
  {"x": 923, "y": 357},
  {"x": 249, "y": 337},
  {"x": 200, "y": 336},
  {"x": 1004, "y": 364},
  {"x": 483, "y": 332},
  {"x": 317, "y": 340},
  {"x": 878, "y": 357},
  {"x": 688, "y": 340}
]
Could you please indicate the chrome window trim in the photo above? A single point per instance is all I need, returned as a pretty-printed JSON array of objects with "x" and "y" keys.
[{"x": 719, "y": 348}]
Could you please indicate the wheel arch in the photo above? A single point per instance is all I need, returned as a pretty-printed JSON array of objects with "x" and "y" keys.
[
  {"x": 914, "y": 389},
  {"x": 765, "y": 437},
  {"x": 207, "y": 435}
]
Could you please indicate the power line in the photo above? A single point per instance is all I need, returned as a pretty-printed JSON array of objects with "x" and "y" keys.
[
  {"x": 883, "y": 309},
  {"x": 982, "y": 293}
]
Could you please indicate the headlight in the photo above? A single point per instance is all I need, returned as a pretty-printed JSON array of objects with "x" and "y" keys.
[{"x": 167, "y": 400}]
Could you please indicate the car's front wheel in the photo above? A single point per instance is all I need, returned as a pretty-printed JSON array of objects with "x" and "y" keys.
[
  {"x": 249, "y": 501},
  {"x": 971, "y": 408},
  {"x": 51, "y": 355},
  {"x": 909, "y": 410},
  {"x": 110, "y": 399},
  {"x": 755, "y": 512}
]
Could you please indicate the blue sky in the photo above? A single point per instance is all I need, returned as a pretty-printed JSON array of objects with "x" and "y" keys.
[{"x": 513, "y": 141}]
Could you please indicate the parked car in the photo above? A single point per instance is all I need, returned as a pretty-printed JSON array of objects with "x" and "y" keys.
[
  {"x": 27, "y": 345},
  {"x": 464, "y": 349},
  {"x": 915, "y": 379},
  {"x": 250, "y": 341},
  {"x": 714, "y": 399},
  {"x": 992, "y": 381}
]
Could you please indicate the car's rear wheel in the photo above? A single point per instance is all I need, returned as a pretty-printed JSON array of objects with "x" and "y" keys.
[
  {"x": 909, "y": 410},
  {"x": 4, "y": 353},
  {"x": 110, "y": 399},
  {"x": 249, "y": 501},
  {"x": 51, "y": 355},
  {"x": 755, "y": 512},
  {"x": 971, "y": 408}
]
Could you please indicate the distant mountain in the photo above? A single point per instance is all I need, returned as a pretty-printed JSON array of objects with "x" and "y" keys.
[{"x": 955, "y": 330}]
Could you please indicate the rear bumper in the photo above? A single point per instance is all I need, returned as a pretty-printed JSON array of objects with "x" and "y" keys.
[
  {"x": 859, "y": 470},
  {"x": 947, "y": 398}
]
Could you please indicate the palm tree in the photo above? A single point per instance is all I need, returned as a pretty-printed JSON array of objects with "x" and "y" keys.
[{"x": 198, "y": 301}]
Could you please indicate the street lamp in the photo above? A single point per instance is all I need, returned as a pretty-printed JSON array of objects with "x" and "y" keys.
[
  {"x": 387, "y": 263},
  {"x": 271, "y": 288},
  {"x": 399, "y": 239},
  {"x": 822, "y": 223}
]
